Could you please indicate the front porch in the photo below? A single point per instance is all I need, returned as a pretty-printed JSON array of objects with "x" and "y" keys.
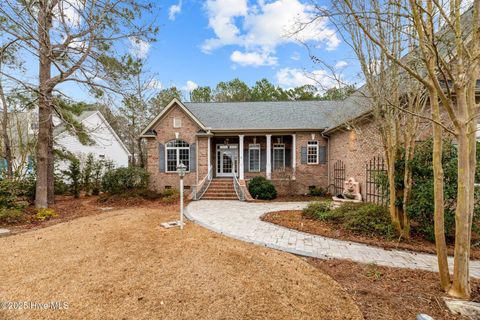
[
  {"x": 294, "y": 161},
  {"x": 247, "y": 156}
]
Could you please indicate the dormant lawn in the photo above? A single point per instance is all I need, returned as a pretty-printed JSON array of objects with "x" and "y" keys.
[{"x": 122, "y": 265}]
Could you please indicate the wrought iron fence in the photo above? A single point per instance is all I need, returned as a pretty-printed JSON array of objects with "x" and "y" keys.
[
  {"x": 338, "y": 176},
  {"x": 375, "y": 168}
]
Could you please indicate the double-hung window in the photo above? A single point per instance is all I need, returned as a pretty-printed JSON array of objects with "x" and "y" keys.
[
  {"x": 254, "y": 157},
  {"x": 278, "y": 156},
  {"x": 178, "y": 151},
  {"x": 312, "y": 152}
]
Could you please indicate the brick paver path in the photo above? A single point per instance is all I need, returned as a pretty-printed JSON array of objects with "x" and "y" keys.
[{"x": 241, "y": 220}]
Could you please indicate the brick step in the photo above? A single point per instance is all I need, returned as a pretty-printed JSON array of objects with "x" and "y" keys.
[
  {"x": 220, "y": 189},
  {"x": 230, "y": 183},
  {"x": 215, "y": 188},
  {"x": 221, "y": 194},
  {"x": 218, "y": 198}
]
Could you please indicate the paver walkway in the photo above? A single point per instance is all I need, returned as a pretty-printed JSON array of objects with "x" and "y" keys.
[{"x": 241, "y": 220}]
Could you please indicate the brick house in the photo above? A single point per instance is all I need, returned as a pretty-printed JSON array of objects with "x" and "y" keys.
[{"x": 292, "y": 143}]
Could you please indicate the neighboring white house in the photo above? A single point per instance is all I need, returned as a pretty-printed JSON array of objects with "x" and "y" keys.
[{"x": 107, "y": 145}]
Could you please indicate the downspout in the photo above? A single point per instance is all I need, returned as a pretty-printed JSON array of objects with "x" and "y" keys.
[
  {"x": 328, "y": 158},
  {"x": 196, "y": 161}
]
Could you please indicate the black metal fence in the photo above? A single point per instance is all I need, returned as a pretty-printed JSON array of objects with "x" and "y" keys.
[
  {"x": 375, "y": 168},
  {"x": 338, "y": 176}
]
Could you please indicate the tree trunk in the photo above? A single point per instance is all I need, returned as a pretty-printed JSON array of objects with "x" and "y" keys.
[
  {"x": 6, "y": 138},
  {"x": 439, "y": 220},
  {"x": 464, "y": 211},
  {"x": 51, "y": 167},
  {"x": 44, "y": 113},
  {"x": 141, "y": 157},
  {"x": 44, "y": 107}
]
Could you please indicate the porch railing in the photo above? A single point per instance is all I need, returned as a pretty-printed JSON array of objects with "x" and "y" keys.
[
  {"x": 202, "y": 187},
  {"x": 238, "y": 187}
]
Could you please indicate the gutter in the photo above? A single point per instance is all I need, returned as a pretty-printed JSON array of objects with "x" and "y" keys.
[
  {"x": 357, "y": 118},
  {"x": 328, "y": 158}
]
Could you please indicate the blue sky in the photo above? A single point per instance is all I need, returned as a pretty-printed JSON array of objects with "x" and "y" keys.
[{"x": 204, "y": 42}]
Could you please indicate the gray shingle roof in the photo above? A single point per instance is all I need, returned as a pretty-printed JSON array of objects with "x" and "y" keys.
[
  {"x": 84, "y": 115},
  {"x": 278, "y": 114}
]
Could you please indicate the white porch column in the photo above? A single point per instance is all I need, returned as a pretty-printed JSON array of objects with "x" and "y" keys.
[
  {"x": 269, "y": 156},
  {"x": 294, "y": 155},
  {"x": 209, "y": 157},
  {"x": 240, "y": 157}
]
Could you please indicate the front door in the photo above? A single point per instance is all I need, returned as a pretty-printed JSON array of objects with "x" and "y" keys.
[{"x": 227, "y": 160}]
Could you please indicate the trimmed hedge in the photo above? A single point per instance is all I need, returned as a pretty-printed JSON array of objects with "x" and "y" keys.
[{"x": 261, "y": 188}]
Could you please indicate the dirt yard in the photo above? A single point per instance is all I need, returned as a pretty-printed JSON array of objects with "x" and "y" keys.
[{"x": 121, "y": 265}]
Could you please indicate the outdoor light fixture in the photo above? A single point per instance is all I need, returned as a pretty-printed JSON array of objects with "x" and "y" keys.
[{"x": 181, "y": 169}]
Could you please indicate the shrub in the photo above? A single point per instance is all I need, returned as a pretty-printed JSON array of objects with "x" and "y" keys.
[
  {"x": 170, "y": 195},
  {"x": 45, "y": 214},
  {"x": 261, "y": 188},
  {"x": 11, "y": 216},
  {"x": 88, "y": 174},
  {"x": 316, "y": 210},
  {"x": 369, "y": 219},
  {"x": 74, "y": 174},
  {"x": 317, "y": 192},
  {"x": 124, "y": 179},
  {"x": 170, "y": 192},
  {"x": 61, "y": 187},
  {"x": 99, "y": 168},
  {"x": 363, "y": 218},
  {"x": 421, "y": 206},
  {"x": 27, "y": 188},
  {"x": 148, "y": 194},
  {"x": 9, "y": 190}
]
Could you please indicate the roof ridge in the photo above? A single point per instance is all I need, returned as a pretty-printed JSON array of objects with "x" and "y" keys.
[{"x": 260, "y": 101}]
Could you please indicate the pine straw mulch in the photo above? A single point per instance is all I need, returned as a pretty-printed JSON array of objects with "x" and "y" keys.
[
  {"x": 68, "y": 208},
  {"x": 122, "y": 265},
  {"x": 295, "y": 198},
  {"x": 294, "y": 219},
  {"x": 391, "y": 293}
]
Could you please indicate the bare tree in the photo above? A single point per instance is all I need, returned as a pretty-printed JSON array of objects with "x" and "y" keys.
[
  {"x": 395, "y": 98},
  {"x": 76, "y": 41},
  {"x": 7, "y": 60},
  {"x": 135, "y": 110},
  {"x": 447, "y": 45}
]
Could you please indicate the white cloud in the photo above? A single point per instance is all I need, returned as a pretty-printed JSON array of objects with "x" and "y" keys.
[
  {"x": 255, "y": 59},
  {"x": 341, "y": 64},
  {"x": 190, "y": 86},
  {"x": 221, "y": 14},
  {"x": 291, "y": 77},
  {"x": 266, "y": 25},
  {"x": 174, "y": 11},
  {"x": 138, "y": 47},
  {"x": 69, "y": 12}
]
